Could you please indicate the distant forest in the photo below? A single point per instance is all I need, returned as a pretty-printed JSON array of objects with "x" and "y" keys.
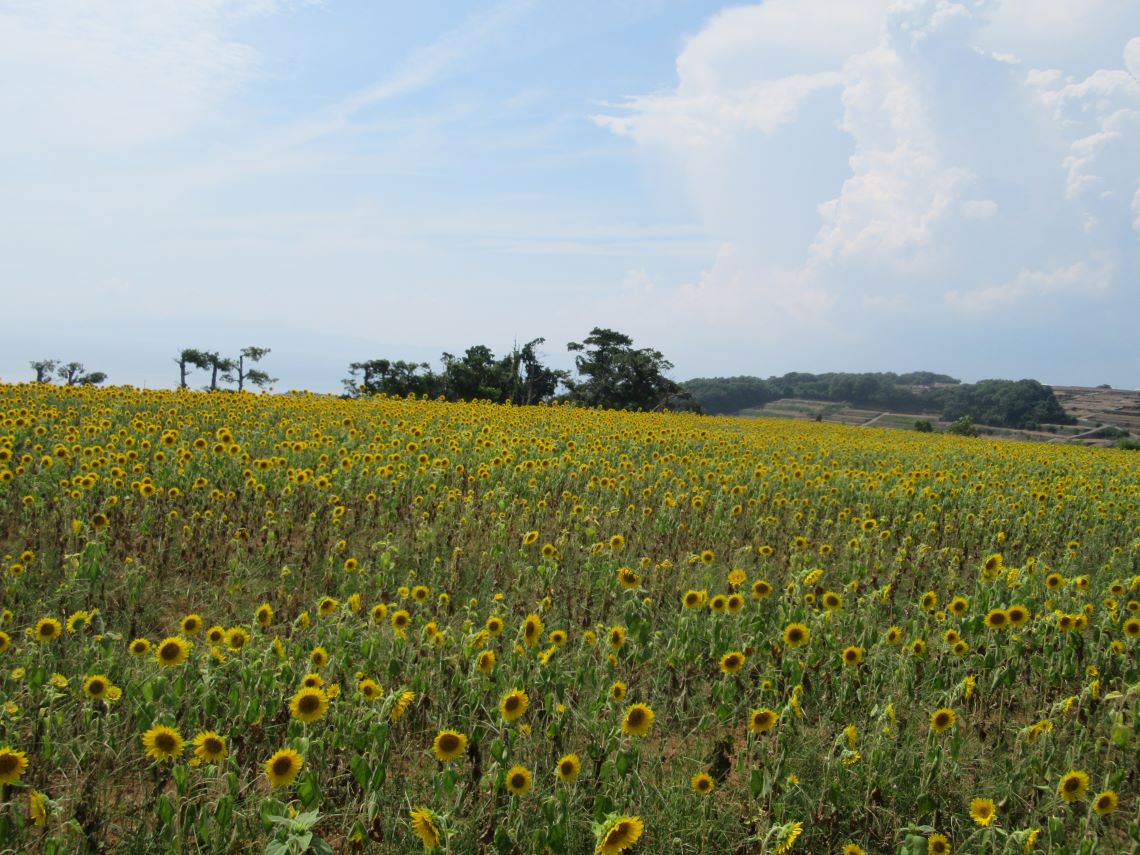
[{"x": 1024, "y": 404}]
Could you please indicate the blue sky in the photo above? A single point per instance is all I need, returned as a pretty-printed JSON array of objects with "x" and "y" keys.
[{"x": 803, "y": 185}]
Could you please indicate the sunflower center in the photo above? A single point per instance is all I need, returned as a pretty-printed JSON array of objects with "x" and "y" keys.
[
  {"x": 636, "y": 717},
  {"x": 518, "y": 781},
  {"x": 448, "y": 743},
  {"x": 282, "y": 765},
  {"x": 47, "y": 630},
  {"x": 7, "y": 763},
  {"x": 1072, "y": 785},
  {"x": 309, "y": 704},
  {"x": 213, "y": 745},
  {"x": 164, "y": 742},
  {"x": 511, "y": 704},
  {"x": 170, "y": 651},
  {"x": 567, "y": 768},
  {"x": 96, "y": 687}
]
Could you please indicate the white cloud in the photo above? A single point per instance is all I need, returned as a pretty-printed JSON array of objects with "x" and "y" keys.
[
  {"x": 1132, "y": 57},
  {"x": 1081, "y": 278},
  {"x": 979, "y": 209}
]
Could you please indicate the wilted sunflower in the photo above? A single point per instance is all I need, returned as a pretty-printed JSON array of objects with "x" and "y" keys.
[
  {"x": 162, "y": 743},
  {"x": 732, "y": 662},
  {"x": 983, "y": 811},
  {"x": 209, "y": 747},
  {"x": 702, "y": 784},
  {"x": 309, "y": 704},
  {"x": 401, "y": 704},
  {"x": 513, "y": 704},
  {"x": 637, "y": 721},
  {"x": 942, "y": 720},
  {"x": 283, "y": 767},
  {"x": 448, "y": 744},
  {"x": 425, "y": 827},
  {"x": 628, "y": 578},
  {"x": 518, "y": 779},
  {"x": 172, "y": 651},
  {"x": 619, "y": 834},
  {"x": 1073, "y": 786},
  {"x": 568, "y": 767},
  {"x": 762, "y": 720},
  {"x": 796, "y": 634},
  {"x": 12, "y": 765}
]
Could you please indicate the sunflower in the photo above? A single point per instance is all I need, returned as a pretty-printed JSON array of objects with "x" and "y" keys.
[
  {"x": 853, "y": 849},
  {"x": 265, "y": 615},
  {"x": 327, "y": 606},
  {"x": 737, "y": 577},
  {"x": 313, "y": 681},
  {"x": 530, "y": 538},
  {"x": 420, "y": 593},
  {"x": 37, "y": 807},
  {"x": 894, "y": 635},
  {"x": 761, "y": 589},
  {"x": 237, "y": 637},
  {"x": 400, "y": 621},
  {"x": 918, "y": 647},
  {"x": 1017, "y": 614},
  {"x": 732, "y": 662},
  {"x": 1073, "y": 786},
  {"x": 734, "y": 603},
  {"x": 401, "y": 704},
  {"x": 937, "y": 844},
  {"x": 532, "y": 629},
  {"x": 617, "y": 637},
  {"x": 568, "y": 768},
  {"x": 1132, "y": 627},
  {"x": 191, "y": 624},
  {"x": 959, "y": 606},
  {"x": 943, "y": 719},
  {"x": 426, "y": 828},
  {"x": 12, "y": 765},
  {"x": 983, "y": 811},
  {"x": 448, "y": 744},
  {"x": 762, "y": 720},
  {"x": 619, "y": 834},
  {"x": 1105, "y": 803},
  {"x": 5, "y": 642},
  {"x": 216, "y": 634},
  {"x": 617, "y": 691},
  {"x": 628, "y": 578},
  {"x": 557, "y": 637},
  {"x": 319, "y": 657},
  {"x": 140, "y": 647},
  {"x": 309, "y": 704},
  {"x": 637, "y": 720},
  {"x": 852, "y": 655},
  {"x": 486, "y": 661},
  {"x": 48, "y": 629},
  {"x": 702, "y": 784},
  {"x": 790, "y": 831},
  {"x": 513, "y": 704},
  {"x": 796, "y": 634},
  {"x": 370, "y": 689},
  {"x": 283, "y": 767},
  {"x": 172, "y": 651},
  {"x": 997, "y": 619},
  {"x": 518, "y": 779},
  {"x": 209, "y": 747},
  {"x": 379, "y": 613},
  {"x": 96, "y": 687},
  {"x": 494, "y": 624},
  {"x": 718, "y": 603},
  {"x": 162, "y": 743}
]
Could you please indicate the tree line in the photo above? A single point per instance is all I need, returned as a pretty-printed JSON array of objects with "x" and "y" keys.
[
  {"x": 611, "y": 373},
  {"x": 1025, "y": 404}
]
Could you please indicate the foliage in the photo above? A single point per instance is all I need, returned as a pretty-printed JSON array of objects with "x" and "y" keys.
[
  {"x": 963, "y": 426},
  {"x": 727, "y": 395},
  {"x": 615, "y": 375},
  {"x": 844, "y": 636},
  {"x": 71, "y": 373},
  {"x": 923, "y": 426},
  {"x": 1004, "y": 403}
]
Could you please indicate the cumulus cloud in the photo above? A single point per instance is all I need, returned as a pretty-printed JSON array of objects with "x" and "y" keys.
[
  {"x": 1080, "y": 278},
  {"x": 889, "y": 166}
]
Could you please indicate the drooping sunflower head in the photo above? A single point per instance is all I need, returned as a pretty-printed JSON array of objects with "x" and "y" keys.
[
  {"x": 426, "y": 828},
  {"x": 532, "y": 629},
  {"x": 617, "y": 637},
  {"x": 619, "y": 834}
]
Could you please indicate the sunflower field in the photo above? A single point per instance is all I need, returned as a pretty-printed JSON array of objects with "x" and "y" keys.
[{"x": 292, "y": 623}]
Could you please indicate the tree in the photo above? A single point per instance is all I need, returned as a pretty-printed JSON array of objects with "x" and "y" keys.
[
  {"x": 253, "y": 375},
  {"x": 617, "y": 376},
  {"x": 534, "y": 382},
  {"x": 219, "y": 366},
  {"x": 186, "y": 359},
  {"x": 74, "y": 374},
  {"x": 963, "y": 426},
  {"x": 44, "y": 369},
  {"x": 382, "y": 376}
]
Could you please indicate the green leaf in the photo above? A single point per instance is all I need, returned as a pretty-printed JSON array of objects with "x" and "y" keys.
[{"x": 165, "y": 810}]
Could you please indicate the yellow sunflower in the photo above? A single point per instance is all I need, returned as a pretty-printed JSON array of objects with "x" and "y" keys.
[
  {"x": 619, "y": 834},
  {"x": 448, "y": 744},
  {"x": 983, "y": 811},
  {"x": 518, "y": 779},
  {"x": 762, "y": 720},
  {"x": 702, "y": 784},
  {"x": 172, "y": 651},
  {"x": 796, "y": 634},
  {"x": 283, "y": 767},
  {"x": 12, "y": 765},
  {"x": 162, "y": 743},
  {"x": 637, "y": 721},
  {"x": 1073, "y": 786},
  {"x": 568, "y": 767},
  {"x": 309, "y": 704},
  {"x": 513, "y": 704},
  {"x": 209, "y": 747},
  {"x": 942, "y": 719},
  {"x": 425, "y": 827}
]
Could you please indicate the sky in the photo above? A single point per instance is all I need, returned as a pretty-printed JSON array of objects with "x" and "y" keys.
[{"x": 793, "y": 185}]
